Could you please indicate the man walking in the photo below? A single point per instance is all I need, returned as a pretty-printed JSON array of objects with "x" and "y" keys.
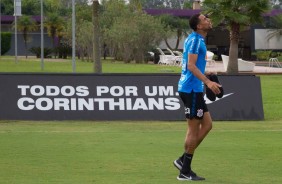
[{"x": 190, "y": 88}]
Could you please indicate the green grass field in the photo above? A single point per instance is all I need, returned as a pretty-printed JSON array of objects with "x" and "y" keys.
[
  {"x": 86, "y": 152},
  {"x": 8, "y": 64},
  {"x": 136, "y": 152}
]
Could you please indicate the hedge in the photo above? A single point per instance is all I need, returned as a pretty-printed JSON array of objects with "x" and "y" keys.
[{"x": 6, "y": 38}]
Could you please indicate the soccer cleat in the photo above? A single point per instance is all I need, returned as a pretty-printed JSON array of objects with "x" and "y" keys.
[
  {"x": 178, "y": 163},
  {"x": 190, "y": 176}
]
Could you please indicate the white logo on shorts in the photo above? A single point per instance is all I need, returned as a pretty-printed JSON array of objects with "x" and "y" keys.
[{"x": 200, "y": 113}]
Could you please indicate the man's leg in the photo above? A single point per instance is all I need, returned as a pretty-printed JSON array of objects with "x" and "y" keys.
[
  {"x": 191, "y": 142},
  {"x": 196, "y": 132},
  {"x": 206, "y": 126},
  {"x": 192, "y": 135}
]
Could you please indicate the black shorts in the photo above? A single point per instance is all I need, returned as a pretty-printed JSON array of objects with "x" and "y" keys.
[{"x": 194, "y": 104}]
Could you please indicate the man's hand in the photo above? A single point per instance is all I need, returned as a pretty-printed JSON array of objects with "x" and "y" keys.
[{"x": 214, "y": 87}]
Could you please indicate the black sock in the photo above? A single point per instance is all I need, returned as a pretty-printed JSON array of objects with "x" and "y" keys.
[
  {"x": 186, "y": 168},
  {"x": 182, "y": 157}
]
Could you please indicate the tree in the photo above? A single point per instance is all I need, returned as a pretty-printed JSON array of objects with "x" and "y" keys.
[
  {"x": 133, "y": 34},
  {"x": 55, "y": 26},
  {"x": 188, "y": 4},
  {"x": 128, "y": 32},
  {"x": 172, "y": 4},
  {"x": 7, "y": 7},
  {"x": 26, "y": 24},
  {"x": 135, "y": 5},
  {"x": 83, "y": 12},
  {"x": 176, "y": 4},
  {"x": 96, "y": 37},
  {"x": 61, "y": 7},
  {"x": 177, "y": 25},
  {"x": 277, "y": 32},
  {"x": 30, "y": 7},
  {"x": 235, "y": 15},
  {"x": 152, "y": 3},
  {"x": 276, "y": 4},
  {"x": 111, "y": 11},
  {"x": 83, "y": 37}
]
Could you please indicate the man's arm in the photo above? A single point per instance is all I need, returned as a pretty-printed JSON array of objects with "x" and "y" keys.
[{"x": 192, "y": 58}]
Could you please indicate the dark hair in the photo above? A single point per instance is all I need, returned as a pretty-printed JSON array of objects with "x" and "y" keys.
[{"x": 194, "y": 21}]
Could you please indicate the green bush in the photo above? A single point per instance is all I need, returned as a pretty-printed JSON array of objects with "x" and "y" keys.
[
  {"x": 64, "y": 51},
  {"x": 262, "y": 55},
  {"x": 6, "y": 38},
  {"x": 37, "y": 52},
  {"x": 274, "y": 54}
]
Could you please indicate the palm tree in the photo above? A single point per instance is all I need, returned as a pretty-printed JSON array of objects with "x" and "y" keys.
[
  {"x": 26, "y": 24},
  {"x": 277, "y": 32},
  {"x": 235, "y": 15},
  {"x": 96, "y": 37},
  {"x": 55, "y": 26}
]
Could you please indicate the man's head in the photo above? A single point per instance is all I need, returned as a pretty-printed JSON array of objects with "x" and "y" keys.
[{"x": 200, "y": 22}]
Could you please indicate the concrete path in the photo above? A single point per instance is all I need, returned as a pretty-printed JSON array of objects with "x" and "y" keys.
[{"x": 218, "y": 67}]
